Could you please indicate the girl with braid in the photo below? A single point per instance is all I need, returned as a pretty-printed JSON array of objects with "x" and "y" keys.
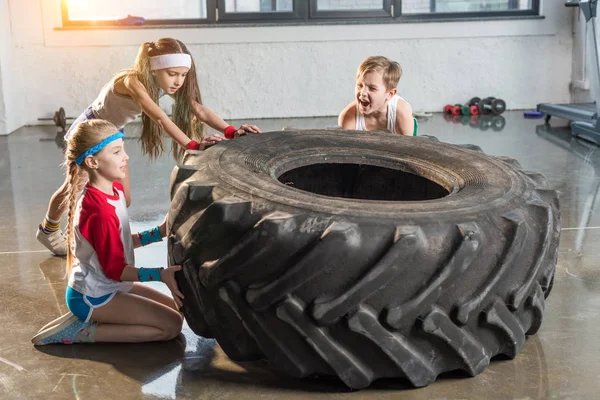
[
  {"x": 164, "y": 67},
  {"x": 106, "y": 301}
]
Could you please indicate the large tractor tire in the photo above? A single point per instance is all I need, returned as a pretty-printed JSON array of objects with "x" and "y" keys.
[{"x": 361, "y": 255}]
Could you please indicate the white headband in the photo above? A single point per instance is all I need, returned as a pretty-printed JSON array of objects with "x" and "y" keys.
[{"x": 170, "y": 61}]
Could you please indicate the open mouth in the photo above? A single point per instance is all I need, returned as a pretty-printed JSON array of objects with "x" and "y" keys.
[{"x": 364, "y": 103}]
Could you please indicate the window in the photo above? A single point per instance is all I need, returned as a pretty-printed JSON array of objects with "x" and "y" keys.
[
  {"x": 465, "y": 6},
  {"x": 259, "y": 6},
  {"x": 351, "y": 8},
  {"x": 259, "y": 10},
  {"x": 160, "y": 12},
  {"x": 356, "y": 5},
  {"x": 120, "y": 12}
]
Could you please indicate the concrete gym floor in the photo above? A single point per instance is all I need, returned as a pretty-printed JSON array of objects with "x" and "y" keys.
[{"x": 561, "y": 361}]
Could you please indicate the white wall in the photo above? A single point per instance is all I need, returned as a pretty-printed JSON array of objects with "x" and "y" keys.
[
  {"x": 5, "y": 47},
  {"x": 7, "y": 79},
  {"x": 298, "y": 71}
]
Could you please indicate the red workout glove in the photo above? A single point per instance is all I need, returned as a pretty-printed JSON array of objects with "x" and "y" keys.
[
  {"x": 192, "y": 145},
  {"x": 230, "y": 132}
]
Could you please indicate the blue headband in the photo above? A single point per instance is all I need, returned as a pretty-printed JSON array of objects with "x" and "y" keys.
[{"x": 98, "y": 147}]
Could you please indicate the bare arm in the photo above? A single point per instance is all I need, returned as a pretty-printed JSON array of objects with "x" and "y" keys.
[
  {"x": 209, "y": 117},
  {"x": 139, "y": 94},
  {"x": 347, "y": 118},
  {"x": 404, "y": 118}
]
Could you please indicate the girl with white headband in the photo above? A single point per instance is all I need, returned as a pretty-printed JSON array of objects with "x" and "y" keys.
[
  {"x": 105, "y": 299},
  {"x": 162, "y": 67}
]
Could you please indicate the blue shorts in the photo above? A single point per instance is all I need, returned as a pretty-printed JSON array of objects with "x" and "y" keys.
[{"x": 82, "y": 306}]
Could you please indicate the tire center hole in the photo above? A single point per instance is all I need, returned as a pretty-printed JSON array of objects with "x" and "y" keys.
[{"x": 362, "y": 181}]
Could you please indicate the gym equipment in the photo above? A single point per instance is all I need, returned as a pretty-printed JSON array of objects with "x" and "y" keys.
[
  {"x": 533, "y": 114},
  {"x": 474, "y": 101},
  {"x": 420, "y": 114},
  {"x": 59, "y": 118},
  {"x": 333, "y": 290},
  {"x": 584, "y": 116},
  {"x": 459, "y": 109},
  {"x": 475, "y": 106},
  {"x": 492, "y": 105}
]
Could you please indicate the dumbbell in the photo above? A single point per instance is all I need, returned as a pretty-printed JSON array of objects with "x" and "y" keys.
[
  {"x": 492, "y": 105},
  {"x": 459, "y": 109},
  {"x": 471, "y": 107},
  {"x": 474, "y": 105},
  {"x": 59, "y": 118},
  {"x": 453, "y": 109},
  {"x": 474, "y": 101}
]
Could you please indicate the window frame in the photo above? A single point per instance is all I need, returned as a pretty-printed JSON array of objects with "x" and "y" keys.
[{"x": 306, "y": 12}]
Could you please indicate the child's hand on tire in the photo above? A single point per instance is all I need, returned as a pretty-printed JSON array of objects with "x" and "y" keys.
[{"x": 167, "y": 275}]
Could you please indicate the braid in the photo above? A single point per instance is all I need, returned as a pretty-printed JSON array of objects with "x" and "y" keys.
[{"x": 73, "y": 188}]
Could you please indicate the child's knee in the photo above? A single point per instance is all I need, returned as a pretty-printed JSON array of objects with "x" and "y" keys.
[{"x": 172, "y": 328}]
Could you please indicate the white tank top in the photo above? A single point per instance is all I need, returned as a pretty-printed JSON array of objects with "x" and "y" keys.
[
  {"x": 114, "y": 107},
  {"x": 391, "y": 115}
]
